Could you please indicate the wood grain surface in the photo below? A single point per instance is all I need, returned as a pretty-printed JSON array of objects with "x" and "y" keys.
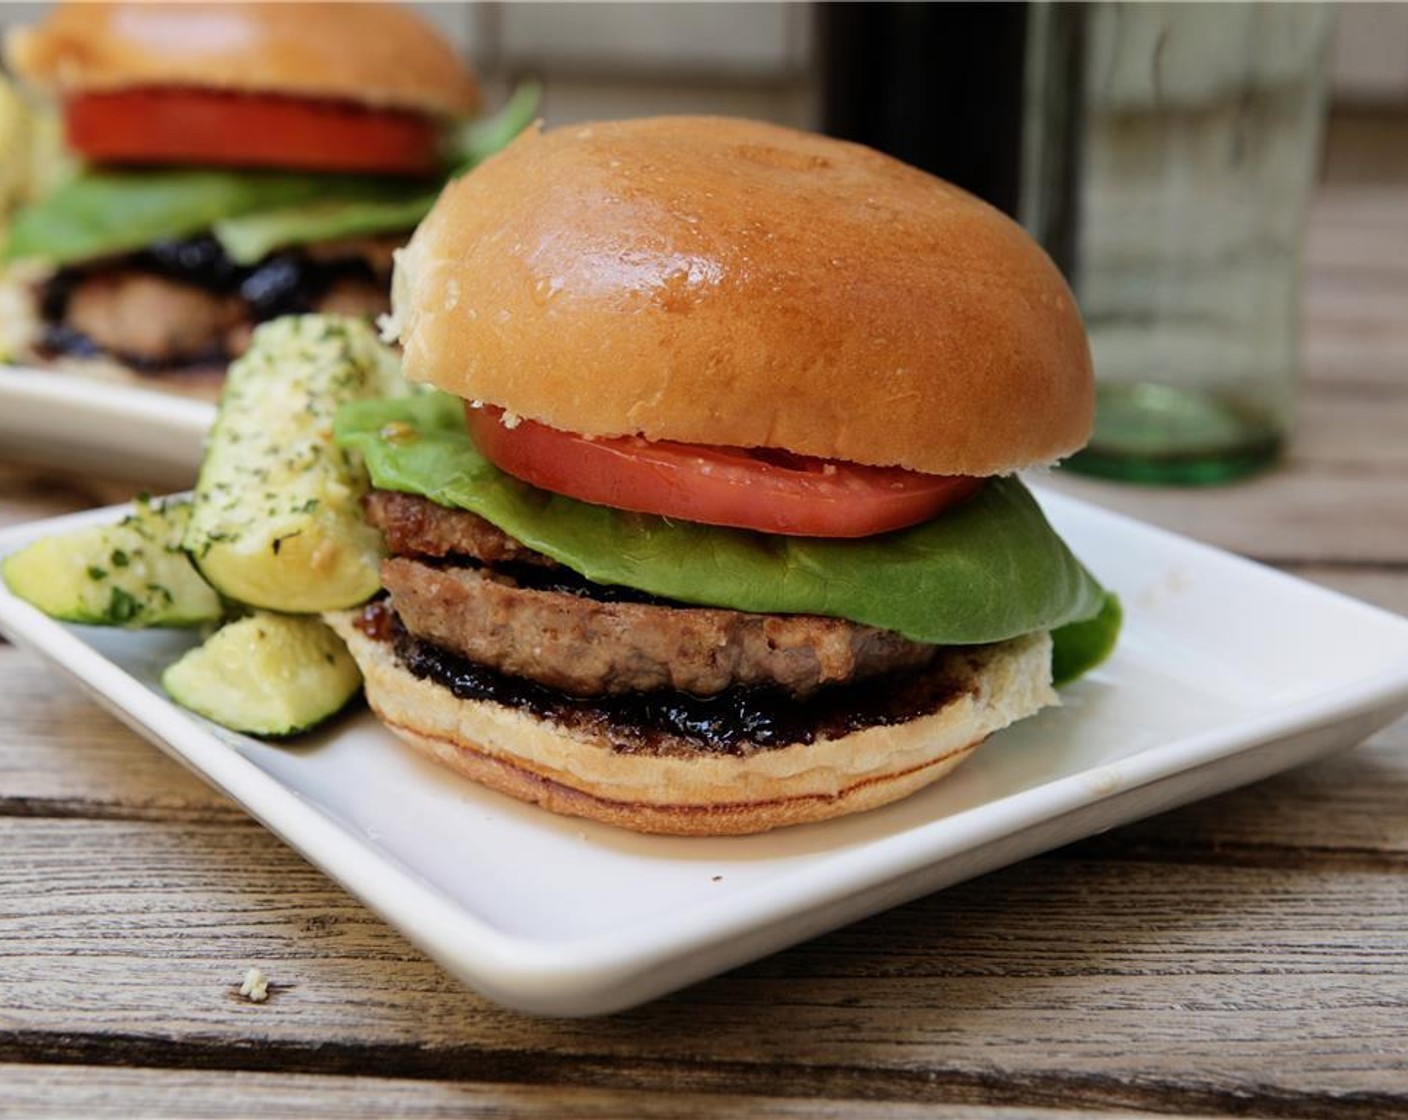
[
  {"x": 1243, "y": 956},
  {"x": 115, "y": 1094}
]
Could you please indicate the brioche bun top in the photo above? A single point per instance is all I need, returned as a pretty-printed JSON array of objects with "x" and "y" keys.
[
  {"x": 379, "y": 55},
  {"x": 734, "y": 283}
]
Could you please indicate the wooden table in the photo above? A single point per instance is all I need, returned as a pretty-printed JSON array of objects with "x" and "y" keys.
[{"x": 1244, "y": 956}]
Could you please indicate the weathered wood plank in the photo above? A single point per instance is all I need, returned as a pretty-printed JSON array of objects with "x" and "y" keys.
[
  {"x": 1284, "y": 988},
  {"x": 1383, "y": 587},
  {"x": 1362, "y": 314},
  {"x": 1358, "y": 248},
  {"x": 62, "y": 754},
  {"x": 1357, "y": 231},
  {"x": 39, "y": 1092},
  {"x": 30, "y": 493},
  {"x": 1360, "y": 429},
  {"x": 1296, "y": 514}
]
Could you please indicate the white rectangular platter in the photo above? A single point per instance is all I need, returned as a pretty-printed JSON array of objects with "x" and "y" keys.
[
  {"x": 1226, "y": 672},
  {"x": 102, "y": 427}
]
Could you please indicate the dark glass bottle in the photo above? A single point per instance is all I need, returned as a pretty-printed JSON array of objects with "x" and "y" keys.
[{"x": 940, "y": 86}]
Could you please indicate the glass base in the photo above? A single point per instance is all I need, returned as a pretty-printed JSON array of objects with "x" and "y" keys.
[{"x": 1187, "y": 437}]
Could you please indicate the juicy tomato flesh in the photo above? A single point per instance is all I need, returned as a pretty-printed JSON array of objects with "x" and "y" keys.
[
  {"x": 209, "y": 127},
  {"x": 767, "y": 491}
]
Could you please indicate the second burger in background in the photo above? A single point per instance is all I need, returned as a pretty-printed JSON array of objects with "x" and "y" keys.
[
  {"x": 243, "y": 161},
  {"x": 712, "y": 527}
]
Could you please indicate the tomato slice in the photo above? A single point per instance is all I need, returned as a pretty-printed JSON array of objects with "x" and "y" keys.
[
  {"x": 768, "y": 491},
  {"x": 210, "y": 127}
]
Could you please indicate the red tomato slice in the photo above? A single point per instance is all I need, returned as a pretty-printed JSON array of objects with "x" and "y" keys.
[
  {"x": 769, "y": 491},
  {"x": 208, "y": 127}
]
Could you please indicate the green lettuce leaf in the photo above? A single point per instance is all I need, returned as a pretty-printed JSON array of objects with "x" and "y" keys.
[
  {"x": 479, "y": 139},
  {"x": 97, "y": 214},
  {"x": 991, "y": 569},
  {"x": 252, "y": 237},
  {"x": 1078, "y": 647}
]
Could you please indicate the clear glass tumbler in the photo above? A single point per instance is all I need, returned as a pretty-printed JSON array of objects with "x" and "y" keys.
[{"x": 1173, "y": 187}]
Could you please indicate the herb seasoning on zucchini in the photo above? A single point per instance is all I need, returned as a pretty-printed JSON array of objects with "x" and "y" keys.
[
  {"x": 277, "y": 521},
  {"x": 266, "y": 674},
  {"x": 132, "y": 574}
]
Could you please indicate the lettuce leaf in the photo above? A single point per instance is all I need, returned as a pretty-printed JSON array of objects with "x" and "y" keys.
[
  {"x": 252, "y": 237},
  {"x": 1078, "y": 647},
  {"x": 991, "y": 569},
  {"x": 477, "y": 140},
  {"x": 97, "y": 214}
]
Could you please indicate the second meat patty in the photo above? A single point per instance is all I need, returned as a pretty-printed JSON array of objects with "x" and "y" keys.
[{"x": 591, "y": 647}]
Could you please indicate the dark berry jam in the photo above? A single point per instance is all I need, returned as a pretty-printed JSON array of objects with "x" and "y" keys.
[{"x": 736, "y": 721}]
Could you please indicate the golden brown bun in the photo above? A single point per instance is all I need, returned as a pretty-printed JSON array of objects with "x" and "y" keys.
[
  {"x": 701, "y": 794},
  {"x": 730, "y": 282},
  {"x": 374, "y": 54}
]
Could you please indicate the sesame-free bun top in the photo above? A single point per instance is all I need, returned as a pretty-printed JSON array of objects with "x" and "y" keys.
[
  {"x": 735, "y": 283},
  {"x": 381, "y": 54}
]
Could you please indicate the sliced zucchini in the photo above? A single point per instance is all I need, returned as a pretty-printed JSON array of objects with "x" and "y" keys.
[
  {"x": 277, "y": 521},
  {"x": 132, "y": 574},
  {"x": 266, "y": 674}
]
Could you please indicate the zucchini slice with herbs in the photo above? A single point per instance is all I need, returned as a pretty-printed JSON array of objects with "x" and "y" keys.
[
  {"x": 278, "y": 521},
  {"x": 266, "y": 674},
  {"x": 132, "y": 574}
]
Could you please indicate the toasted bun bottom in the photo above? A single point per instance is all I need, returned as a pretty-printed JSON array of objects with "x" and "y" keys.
[{"x": 704, "y": 793}]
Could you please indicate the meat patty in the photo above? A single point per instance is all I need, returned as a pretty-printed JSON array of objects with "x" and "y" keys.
[
  {"x": 592, "y": 647},
  {"x": 416, "y": 525},
  {"x": 151, "y": 318},
  {"x": 180, "y": 304}
]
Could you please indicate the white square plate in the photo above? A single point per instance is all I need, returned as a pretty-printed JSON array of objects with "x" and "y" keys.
[
  {"x": 103, "y": 427},
  {"x": 1226, "y": 672}
]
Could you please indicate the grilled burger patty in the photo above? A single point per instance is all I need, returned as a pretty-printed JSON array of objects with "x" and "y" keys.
[
  {"x": 184, "y": 303},
  {"x": 466, "y": 587},
  {"x": 415, "y": 525}
]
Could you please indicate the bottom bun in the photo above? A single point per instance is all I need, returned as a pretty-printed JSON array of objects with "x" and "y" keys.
[{"x": 691, "y": 790}]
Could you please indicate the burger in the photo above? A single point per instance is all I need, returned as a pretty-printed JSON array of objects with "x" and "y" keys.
[
  {"x": 239, "y": 162},
  {"x": 709, "y": 525}
]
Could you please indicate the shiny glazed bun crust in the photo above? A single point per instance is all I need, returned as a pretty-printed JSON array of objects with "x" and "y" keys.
[
  {"x": 735, "y": 283},
  {"x": 375, "y": 54}
]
